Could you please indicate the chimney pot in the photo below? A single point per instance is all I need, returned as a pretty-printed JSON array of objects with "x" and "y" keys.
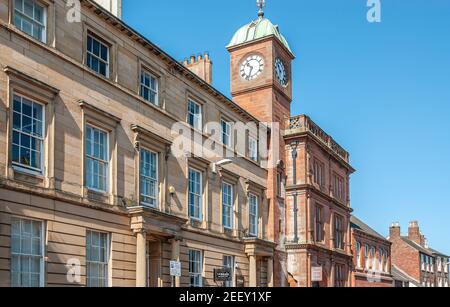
[
  {"x": 395, "y": 231},
  {"x": 414, "y": 233},
  {"x": 201, "y": 66}
]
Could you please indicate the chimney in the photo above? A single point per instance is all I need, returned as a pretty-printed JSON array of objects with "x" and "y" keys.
[
  {"x": 394, "y": 231},
  {"x": 113, "y": 6},
  {"x": 201, "y": 66},
  {"x": 414, "y": 233}
]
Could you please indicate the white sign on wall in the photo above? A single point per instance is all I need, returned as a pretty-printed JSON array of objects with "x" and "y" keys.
[
  {"x": 175, "y": 268},
  {"x": 317, "y": 273}
]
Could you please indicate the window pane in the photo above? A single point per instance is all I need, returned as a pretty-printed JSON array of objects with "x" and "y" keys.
[{"x": 96, "y": 259}]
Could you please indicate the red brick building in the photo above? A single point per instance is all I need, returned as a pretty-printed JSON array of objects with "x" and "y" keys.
[
  {"x": 412, "y": 255},
  {"x": 371, "y": 257},
  {"x": 308, "y": 176}
]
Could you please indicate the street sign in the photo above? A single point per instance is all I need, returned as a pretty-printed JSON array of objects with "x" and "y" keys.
[
  {"x": 175, "y": 268},
  {"x": 222, "y": 275},
  {"x": 317, "y": 273}
]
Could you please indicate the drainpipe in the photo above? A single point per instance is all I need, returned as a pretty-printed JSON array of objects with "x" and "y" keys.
[{"x": 294, "y": 146}]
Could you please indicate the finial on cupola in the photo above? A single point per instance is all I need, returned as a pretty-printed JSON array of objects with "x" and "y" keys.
[{"x": 261, "y": 4}]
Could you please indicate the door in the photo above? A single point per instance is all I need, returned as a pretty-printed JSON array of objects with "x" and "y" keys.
[{"x": 154, "y": 264}]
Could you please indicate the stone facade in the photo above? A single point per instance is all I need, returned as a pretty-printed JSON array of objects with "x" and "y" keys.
[
  {"x": 297, "y": 205},
  {"x": 321, "y": 212},
  {"x": 142, "y": 240}
]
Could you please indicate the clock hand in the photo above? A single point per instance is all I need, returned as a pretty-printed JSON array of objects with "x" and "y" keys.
[{"x": 251, "y": 68}]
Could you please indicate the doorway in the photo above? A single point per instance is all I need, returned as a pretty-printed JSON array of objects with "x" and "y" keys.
[{"x": 154, "y": 277}]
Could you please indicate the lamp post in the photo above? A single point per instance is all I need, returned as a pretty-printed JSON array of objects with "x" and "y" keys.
[{"x": 294, "y": 146}]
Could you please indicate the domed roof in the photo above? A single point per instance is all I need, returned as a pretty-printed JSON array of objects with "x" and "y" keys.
[{"x": 257, "y": 29}]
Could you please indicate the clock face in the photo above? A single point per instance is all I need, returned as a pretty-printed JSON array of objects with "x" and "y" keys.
[
  {"x": 252, "y": 67},
  {"x": 280, "y": 71}
]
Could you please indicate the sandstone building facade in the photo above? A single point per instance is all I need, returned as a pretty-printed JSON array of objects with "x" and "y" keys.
[{"x": 89, "y": 178}]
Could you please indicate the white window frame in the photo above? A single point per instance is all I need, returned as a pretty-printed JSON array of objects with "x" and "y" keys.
[
  {"x": 146, "y": 73},
  {"x": 31, "y": 19},
  {"x": 154, "y": 181},
  {"x": 17, "y": 165},
  {"x": 230, "y": 206},
  {"x": 253, "y": 149},
  {"x": 385, "y": 260},
  {"x": 106, "y": 162},
  {"x": 200, "y": 262},
  {"x": 367, "y": 256},
  {"x": 228, "y": 263},
  {"x": 198, "y": 195},
  {"x": 29, "y": 256},
  {"x": 106, "y": 263},
  {"x": 373, "y": 257},
  {"x": 358, "y": 254},
  {"x": 106, "y": 62},
  {"x": 253, "y": 215},
  {"x": 226, "y": 129},
  {"x": 197, "y": 122}
]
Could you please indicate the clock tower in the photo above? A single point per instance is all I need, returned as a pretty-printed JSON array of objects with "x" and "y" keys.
[
  {"x": 261, "y": 70},
  {"x": 261, "y": 84}
]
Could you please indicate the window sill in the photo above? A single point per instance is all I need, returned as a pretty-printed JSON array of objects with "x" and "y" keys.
[
  {"x": 28, "y": 172},
  {"x": 108, "y": 77},
  {"x": 28, "y": 177},
  {"x": 97, "y": 196}
]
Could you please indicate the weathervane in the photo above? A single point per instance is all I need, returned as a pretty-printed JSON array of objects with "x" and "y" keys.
[{"x": 261, "y": 4}]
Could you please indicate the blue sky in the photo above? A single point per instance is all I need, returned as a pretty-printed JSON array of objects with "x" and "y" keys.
[{"x": 381, "y": 90}]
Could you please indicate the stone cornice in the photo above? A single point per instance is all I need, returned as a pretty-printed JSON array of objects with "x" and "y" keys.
[
  {"x": 60, "y": 196},
  {"x": 18, "y": 74},
  {"x": 174, "y": 64}
]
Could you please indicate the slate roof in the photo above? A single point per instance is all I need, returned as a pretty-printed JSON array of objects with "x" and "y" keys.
[
  {"x": 360, "y": 225},
  {"x": 399, "y": 275},
  {"x": 435, "y": 252},
  {"x": 417, "y": 246}
]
